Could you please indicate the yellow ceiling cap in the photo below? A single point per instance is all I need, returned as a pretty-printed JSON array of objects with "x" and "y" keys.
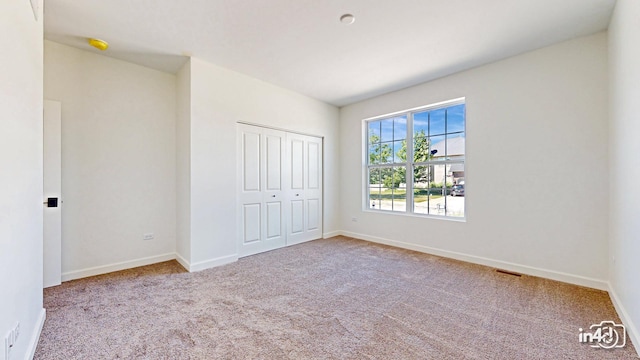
[{"x": 99, "y": 44}]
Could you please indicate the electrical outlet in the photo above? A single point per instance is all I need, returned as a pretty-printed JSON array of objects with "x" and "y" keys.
[
  {"x": 148, "y": 236},
  {"x": 10, "y": 341}
]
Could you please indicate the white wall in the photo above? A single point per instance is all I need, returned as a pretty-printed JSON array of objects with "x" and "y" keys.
[
  {"x": 183, "y": 166},
  {"x": 118, "y": 160},
  {"x": 624, "y": 234},
  {"x": 219, "y": 99},
  {"x": 20, "y": 176},
  {"x": 536, "y": 170}
]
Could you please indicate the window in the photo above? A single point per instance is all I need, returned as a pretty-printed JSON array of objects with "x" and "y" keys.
[{"x": 425, "y": 178}]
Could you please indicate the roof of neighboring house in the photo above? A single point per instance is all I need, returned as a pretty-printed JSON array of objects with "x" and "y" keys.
[{"x": 455, "y": 147}]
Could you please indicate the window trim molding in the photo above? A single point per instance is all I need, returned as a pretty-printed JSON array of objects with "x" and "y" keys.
[
  {"x": 441, "y": 104},
  {"x": 409, "y": 113}
]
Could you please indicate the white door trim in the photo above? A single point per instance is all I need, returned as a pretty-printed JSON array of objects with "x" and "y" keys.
[{"x": 52, "y": 188}]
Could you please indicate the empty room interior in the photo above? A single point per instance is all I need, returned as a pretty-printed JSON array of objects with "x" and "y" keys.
[{"x": 290, "y": 179}]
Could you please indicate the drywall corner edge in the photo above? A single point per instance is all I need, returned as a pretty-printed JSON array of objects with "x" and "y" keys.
[
  {"x": 632, "y": 330},
  {"x": 183, "y": 262},
  {"x": 331, "y": 234},
  {"x": 211, "y": 263},
  {"x": 35, "y": 335}
]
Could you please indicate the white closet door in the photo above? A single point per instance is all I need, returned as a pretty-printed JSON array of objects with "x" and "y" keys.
[
  {"x": 260, "y": 195},
  {"x": 304, "y": 188}
]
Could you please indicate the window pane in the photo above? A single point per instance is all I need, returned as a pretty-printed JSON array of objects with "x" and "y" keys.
[
  {"x": 386, "y": 153},
  {"x": 421, "y": 189},
  {"x": 400, "y": 198},
  {"x": 374, "y": 198},
  {"x": 438, "y": 190},
  {"x": 437, "y": 148},
  {"x": 393, "y": 195},
  {"x": 374, "y": 177},
  {"x": 455, "y": 146},
  {"x": 437, "y": 122},
  {"x": 373, "y": 145},
  {"x": 374, "y": 131},
  {"x": 399, "y": 151},
  {"x": 421, "y": 147},
  {"x": 386, "y": 179},
  {"x": 421, "y": 123},
  {"x": 399, "y": 189},
  {"x": 455, "y": 119},
  {"x": 375, "y": 188},
  {"x": 457, "y": 173},
  {"x": 445, "y": 199},
  {"x": 400, "y": 128},
  {"x": 386, "y": 130},
  {"x": 455, "y": 200},
  {"x": 374, "y": 153}
]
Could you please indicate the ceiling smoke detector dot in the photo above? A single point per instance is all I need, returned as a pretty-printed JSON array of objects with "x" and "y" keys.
[{"x": 347, "y": 19}]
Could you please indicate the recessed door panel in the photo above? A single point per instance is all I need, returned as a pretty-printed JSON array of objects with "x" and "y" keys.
[
  {"x": 314, "y": 165},
  {"x": 297, "y": 216},
  {"x": 251, "y": 220},
  {"x": 297, "y": 164},
  {"x": 274, "y": 220},
  {"x": 274, "y": 162},
  {"x": 313, "y": 214},
  {"x": 251, "y": 162}
]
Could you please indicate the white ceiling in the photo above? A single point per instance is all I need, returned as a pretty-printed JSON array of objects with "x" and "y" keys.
[{"x": 301, "y": 44}]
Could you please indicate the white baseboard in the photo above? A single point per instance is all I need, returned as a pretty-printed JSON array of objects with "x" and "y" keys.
[
  {"x": 207, "y": 264},
  {"x": 523, "y": 269},
  {"x": 35, "y": 335},
  {"x": 331, "y": 234},
  {"x": 99, "y": 270},
  {"x": 182, "y": 261},
  {"x": 632, "y": 330}
]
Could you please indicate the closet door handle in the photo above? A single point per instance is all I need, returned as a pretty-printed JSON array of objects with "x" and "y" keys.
[
  {"x": 297, "y": 194},
  {"x": 273, "y": 196}
]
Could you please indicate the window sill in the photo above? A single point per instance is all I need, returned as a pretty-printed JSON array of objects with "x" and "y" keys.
[{"x": 422, "y": 216}]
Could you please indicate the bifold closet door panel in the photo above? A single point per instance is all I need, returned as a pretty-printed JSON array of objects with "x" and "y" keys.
[
  {"x": 260, "y": 208},
  {"x": 304, "y": 192}
]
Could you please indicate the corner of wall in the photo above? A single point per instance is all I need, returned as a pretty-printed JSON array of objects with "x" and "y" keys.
[
  {"x": 35, "y": 336},
  {"x": 206, "y": 264},
  {"x": 630, "y": 326},
  {"x": 624, "y": 250},
  {"x": 183, "y": 165}
]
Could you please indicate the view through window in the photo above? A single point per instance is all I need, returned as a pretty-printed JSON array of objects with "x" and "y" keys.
[{"x": 427, "y": 177}]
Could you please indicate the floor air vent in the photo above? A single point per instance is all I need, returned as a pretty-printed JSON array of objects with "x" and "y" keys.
[{"x": 508, "y": 272}]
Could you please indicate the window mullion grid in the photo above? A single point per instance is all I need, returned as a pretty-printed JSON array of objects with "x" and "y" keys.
[
  {"x": 409, "y": 164},
  {"x": 393, "y": 160},
  {"x": 446, "y": 156}
]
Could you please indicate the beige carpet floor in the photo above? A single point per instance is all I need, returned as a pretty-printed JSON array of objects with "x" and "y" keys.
[{"x": 327, "y": 299}]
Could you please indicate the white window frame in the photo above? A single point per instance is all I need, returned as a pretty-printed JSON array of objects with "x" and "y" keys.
[{"x": 410, "y": 164}]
